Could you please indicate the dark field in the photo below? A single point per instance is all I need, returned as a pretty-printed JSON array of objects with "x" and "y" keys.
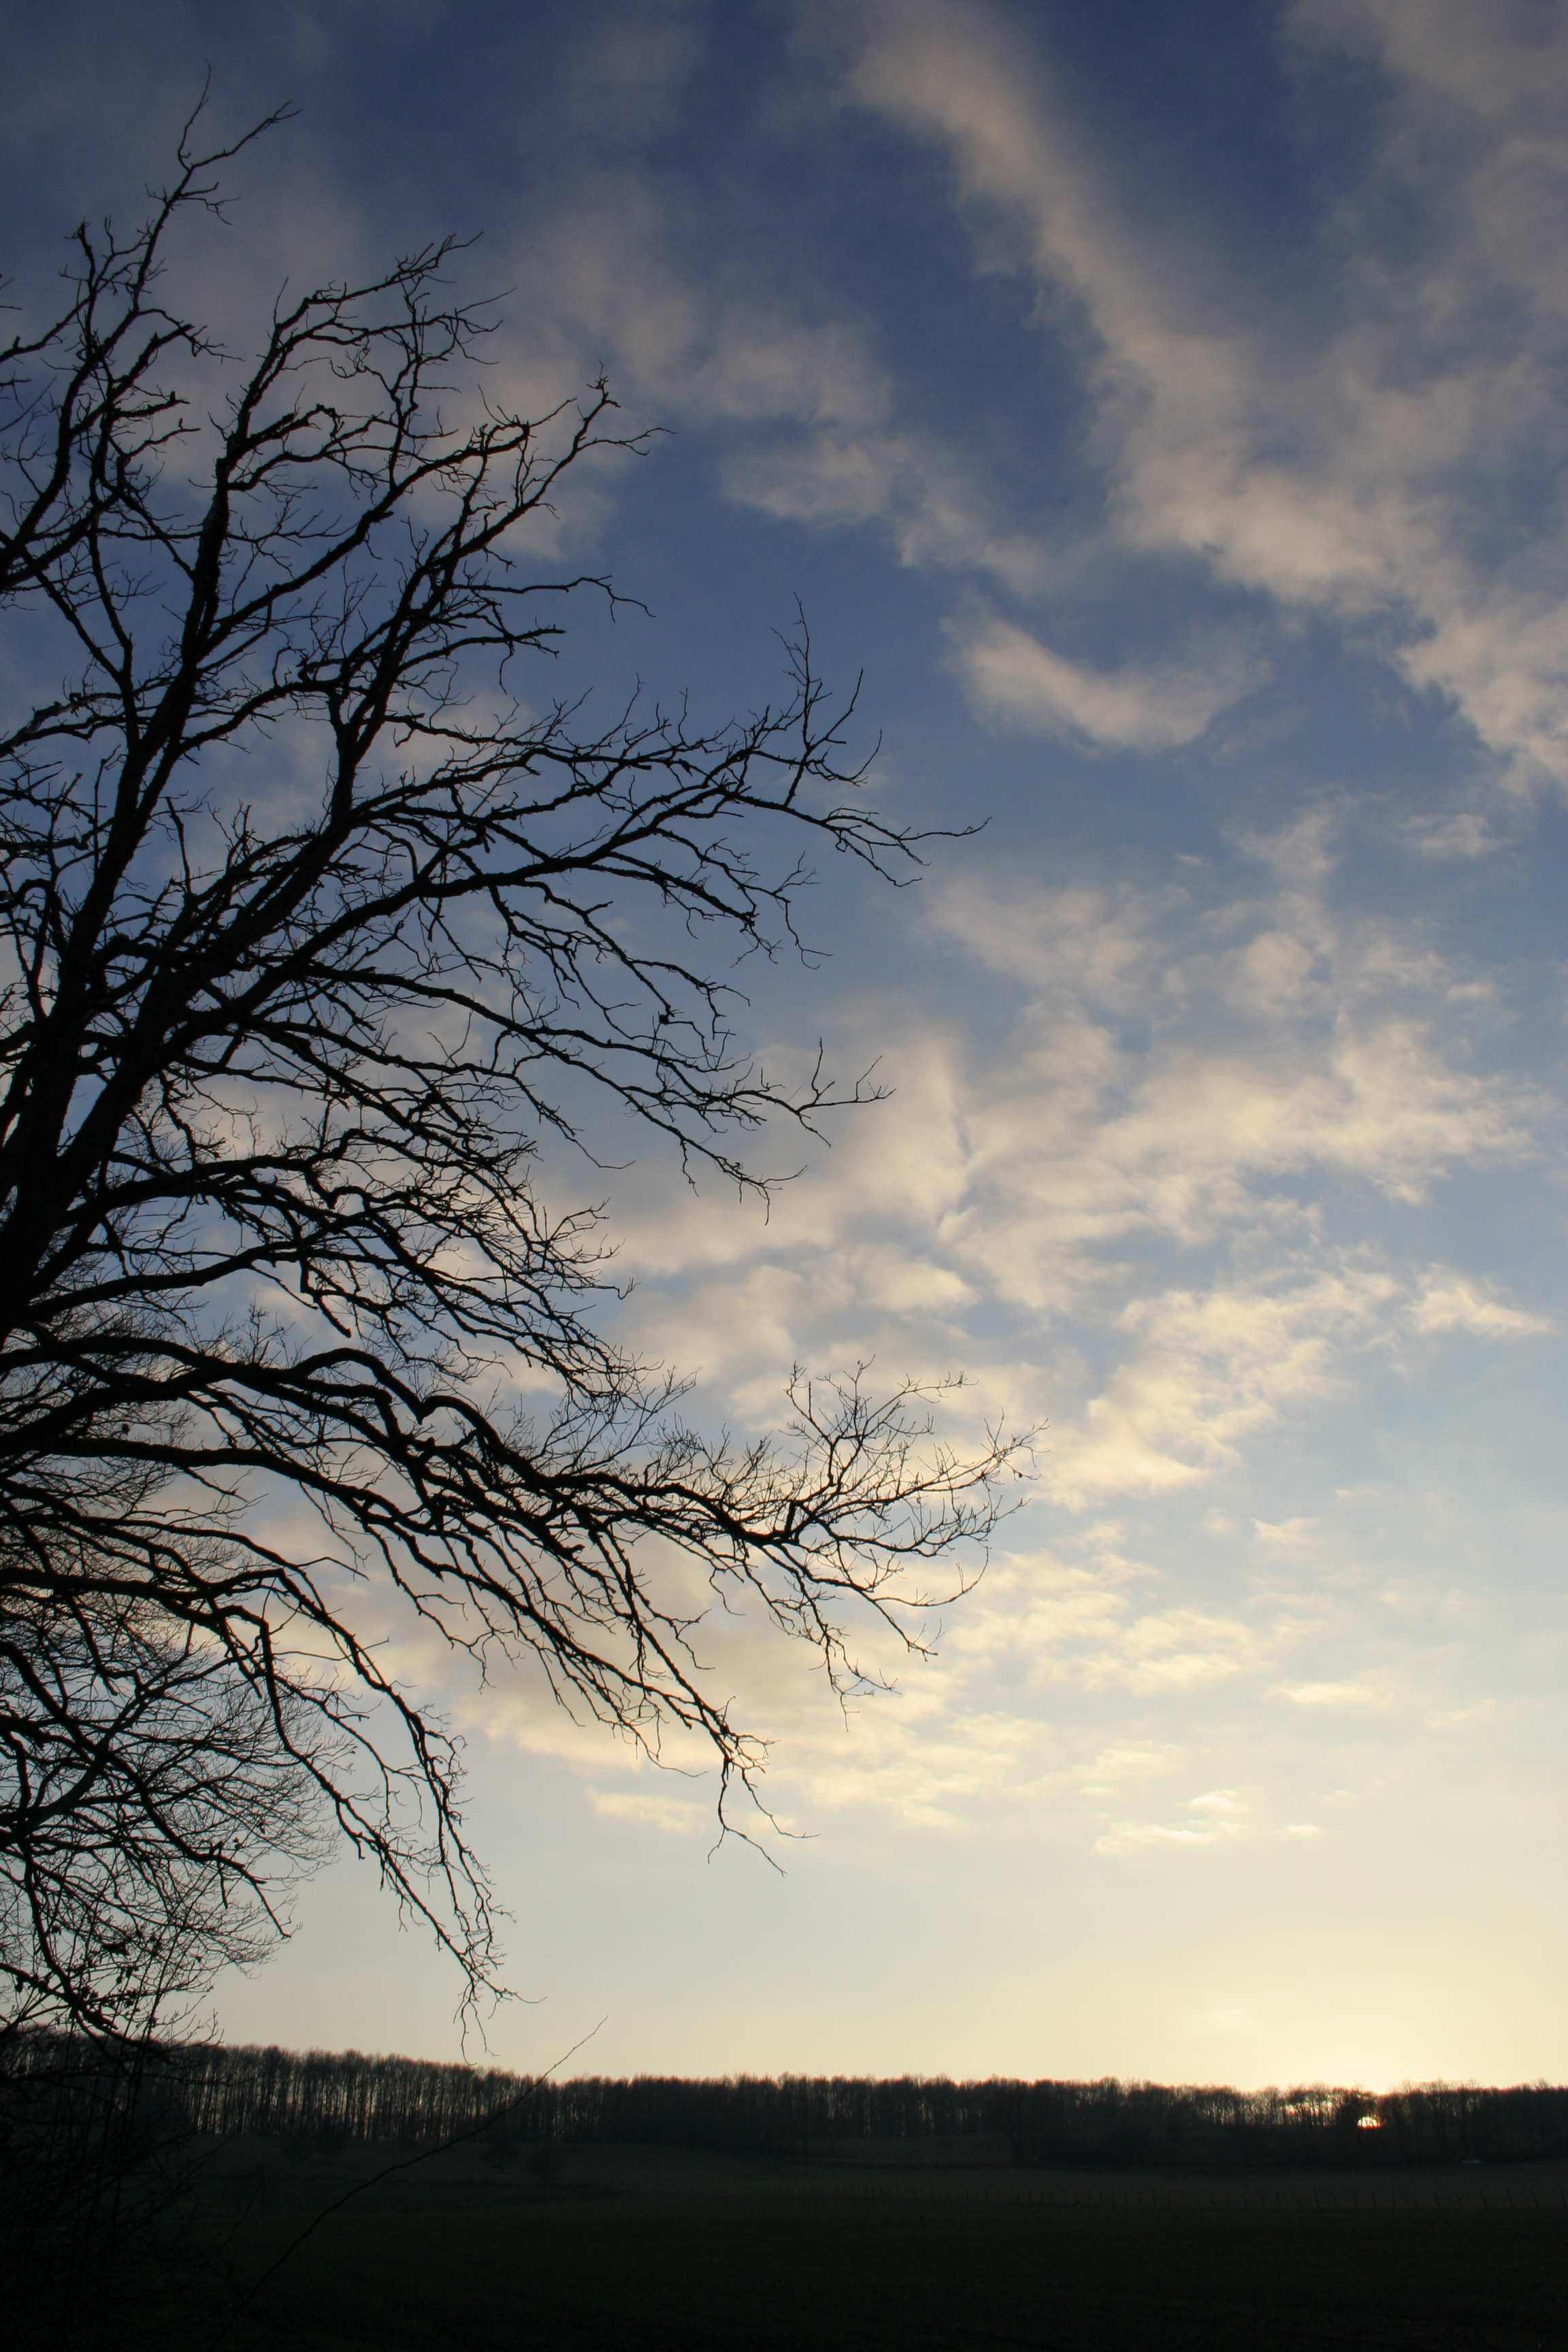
[{"x": 631, "y": 2249}]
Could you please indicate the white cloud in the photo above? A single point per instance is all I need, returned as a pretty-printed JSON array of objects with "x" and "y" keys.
[
  {"x": 672, "y": 1816},
  {"x": 1078, "y": 1144},
  {"x": 1209, "y": 1369},
  {"x": 1137, "y": 1760},
  {"x": 1117, "y": 1210},
  {"x": 1285, "y": 1535},
  {"x": 611, "y": 284},
  {"x": 1181, "y": 1649},
  {"x": 1016, "y": 678},
  {"x": 1029, "y": 1175},
  {"x": 1361, "y": 1693},
  {"x": 1330, "y": 1059},
  {"x": 1223, "y": 1805},
  {"x": 1137, "y": 1837},
  {"x": 1465, "y": 834},
  {"x": 1448, "y": 1301},
  {"x": 1347, "y": 471},
  {"x": 925, "y": 496},
  {"x": 1083, "y": 1627},
  {"x": 1072, "y": 940},
  {"x": 1485, "y": 60},
  {"x": 1224, "y": 1817}
]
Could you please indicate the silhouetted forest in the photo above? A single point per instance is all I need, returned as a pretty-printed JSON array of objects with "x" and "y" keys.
[{"x": 318, "y": 2100}]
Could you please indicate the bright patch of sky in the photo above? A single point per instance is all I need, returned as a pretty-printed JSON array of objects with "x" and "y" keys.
[{"x": 1164, "y": 409}]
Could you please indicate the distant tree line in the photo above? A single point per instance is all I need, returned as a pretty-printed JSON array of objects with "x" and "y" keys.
[{"x": 317, "y": 2100}]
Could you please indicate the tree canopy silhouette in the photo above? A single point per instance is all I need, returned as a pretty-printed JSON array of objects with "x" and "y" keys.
[{"x": 315, "y": 930}]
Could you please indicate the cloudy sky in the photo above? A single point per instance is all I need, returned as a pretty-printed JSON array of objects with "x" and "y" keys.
[{"x": 1163, "y": 407}]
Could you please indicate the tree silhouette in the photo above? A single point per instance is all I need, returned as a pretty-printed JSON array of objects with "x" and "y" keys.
[{"x": 314, "y": 931}]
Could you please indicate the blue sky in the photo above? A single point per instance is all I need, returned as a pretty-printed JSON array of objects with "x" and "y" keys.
[{"x": 1163, "y": 408}]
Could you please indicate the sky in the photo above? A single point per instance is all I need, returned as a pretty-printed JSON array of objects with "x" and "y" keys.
[{"x": 1162, "y": 409}]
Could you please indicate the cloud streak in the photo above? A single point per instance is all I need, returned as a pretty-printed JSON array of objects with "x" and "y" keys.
[
  {"x": 1350, "y": 474},
  {"x": 1018, "y": 680}
]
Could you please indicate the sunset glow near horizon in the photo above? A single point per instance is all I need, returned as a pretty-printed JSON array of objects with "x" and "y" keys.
[{"x": 1164, "y": 409}]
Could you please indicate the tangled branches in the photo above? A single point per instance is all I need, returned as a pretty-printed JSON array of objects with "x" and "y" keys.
[{"x": 281, "y": 1039}]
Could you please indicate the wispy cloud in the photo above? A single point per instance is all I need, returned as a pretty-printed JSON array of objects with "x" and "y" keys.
[
  {"x": 1018, "y": 680},
  {"x": 1222, "y": 1815},
  {"x": 936, "y": 508},
  {"x": 647, "y": 1809},
  {"x": 1361, "y": 1693},
  {"x": 1448, "y": 1301},
  {"x": 1348, "y": 474},
  {"x": 616, "y": 283},
  {"x": 1208, "y": 1371},
  {"x": 1465, "y": 834}
]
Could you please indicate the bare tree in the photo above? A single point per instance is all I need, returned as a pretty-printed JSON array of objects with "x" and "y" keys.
[{"x": 291, "y": 1339}]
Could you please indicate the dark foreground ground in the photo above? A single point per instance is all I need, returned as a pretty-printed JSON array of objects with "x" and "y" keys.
[{"x": 628, "y": 2251}]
